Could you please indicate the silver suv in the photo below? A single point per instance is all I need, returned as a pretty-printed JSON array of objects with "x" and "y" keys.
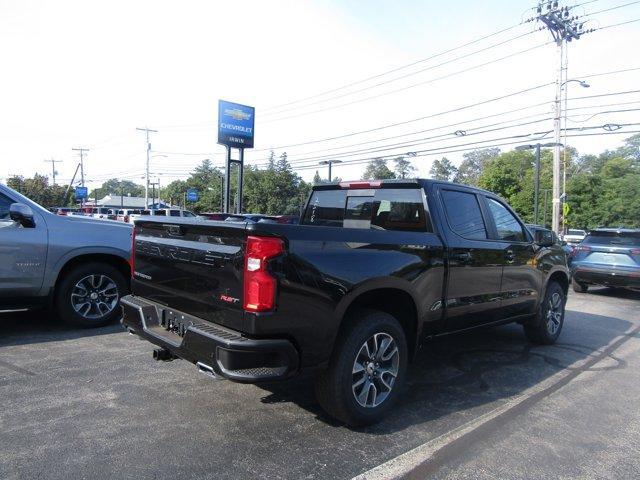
[{"x": 77, "y": 265}]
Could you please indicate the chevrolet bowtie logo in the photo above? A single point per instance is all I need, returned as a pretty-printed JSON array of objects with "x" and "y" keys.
[{"x": 237, "y": 114}]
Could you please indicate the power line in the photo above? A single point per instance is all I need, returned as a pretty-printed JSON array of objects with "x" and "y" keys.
[
  {"x": 403, "y": 76},
  {"x": 365, "y": 99},
  {"x": 373, "y": 77},
  {"x": 541, "y": 136}
]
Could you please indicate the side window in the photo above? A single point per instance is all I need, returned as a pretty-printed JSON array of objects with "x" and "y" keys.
[
  {"x": 508, "y": 227},
  {"x": 464, "y": 214},
  {"x": 5, "y": 203},
  {"x": 174, "y": 213}
]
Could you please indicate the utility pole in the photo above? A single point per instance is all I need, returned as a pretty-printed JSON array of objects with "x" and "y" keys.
[
  {"x": 81, "y": 151},
  {"x": 146, "y": 183},
  {"x": 564, "y": 28},
  {"x": 53, "y": 169}
]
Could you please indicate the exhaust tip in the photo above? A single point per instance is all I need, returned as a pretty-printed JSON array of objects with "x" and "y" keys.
[{"x": 207, "y": 370}]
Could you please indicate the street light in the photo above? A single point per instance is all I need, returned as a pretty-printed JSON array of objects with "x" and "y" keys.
[
  {"x": 582, "y": 83},
  {"x": 329, "y": 162},
  {"x": 537, "y": 147}
]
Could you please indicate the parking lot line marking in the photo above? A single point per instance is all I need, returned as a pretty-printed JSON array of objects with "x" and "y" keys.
[
  {"x": 428, "y": 457},
  {"x": 15, "y": 368}
]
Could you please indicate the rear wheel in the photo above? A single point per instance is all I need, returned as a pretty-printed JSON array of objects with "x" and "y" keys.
[
  {"x": 548, "y": 325},
  {"x": 366, "y": 371},
  {"x": 89, "y": 295},
  {"x": 578, "y": 287}
]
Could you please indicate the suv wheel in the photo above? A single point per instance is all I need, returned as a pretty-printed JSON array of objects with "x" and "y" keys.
[
  {"x": 548, "y": 325},
  {"x": 366, "y": 371},
  {"x": 89, "y": 295},
  {"x": 579, "y": 287}
]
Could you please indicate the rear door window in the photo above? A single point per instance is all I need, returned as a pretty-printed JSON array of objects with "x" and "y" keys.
[
  {"x": 464, "y": 214},
  {"x": 381, "y": 209}
]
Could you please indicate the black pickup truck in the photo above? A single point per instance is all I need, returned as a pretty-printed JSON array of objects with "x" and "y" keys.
[{"x": 374, "y": 270}]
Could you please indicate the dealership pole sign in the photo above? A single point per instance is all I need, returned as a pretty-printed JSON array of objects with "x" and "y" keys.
[{"x": 235, "y": 130}]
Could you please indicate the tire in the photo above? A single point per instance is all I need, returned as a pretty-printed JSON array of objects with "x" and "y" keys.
[
  {"x": 337, "y": 387},
  {"x": 74, "y": 300},
  {"x": 579, "y": 287},
  {"x": 548, "y": 325}
]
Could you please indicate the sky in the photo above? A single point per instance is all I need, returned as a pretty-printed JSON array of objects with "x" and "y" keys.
[{"x": 88, "y": 73}]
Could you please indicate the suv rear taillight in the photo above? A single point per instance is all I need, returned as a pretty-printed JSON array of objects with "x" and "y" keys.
[
  {"x": 635, "y": 251},
  {"x": 132, "y": 256},
  {"x": 582, "y": 248},
  {"x": 259, "y": 285}
]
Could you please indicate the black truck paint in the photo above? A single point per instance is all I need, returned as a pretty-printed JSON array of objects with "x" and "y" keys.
[{"x": 433, "y": 275}]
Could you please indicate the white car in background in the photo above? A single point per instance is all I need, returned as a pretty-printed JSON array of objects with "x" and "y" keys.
[
  {"x": 574, "y": 237},
  {"x": 164, "y": 212}
]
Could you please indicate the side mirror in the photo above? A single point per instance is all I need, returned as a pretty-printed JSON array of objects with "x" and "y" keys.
[
  {"x": 21, "y": 213},
  {"x": 544, "y": 238}
]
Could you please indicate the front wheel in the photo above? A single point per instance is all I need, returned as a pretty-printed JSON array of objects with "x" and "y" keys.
[
  {"x": 366, "y": 371},
  {"x": 548, "y": 325},
  {"x": 89, "y": 295}
]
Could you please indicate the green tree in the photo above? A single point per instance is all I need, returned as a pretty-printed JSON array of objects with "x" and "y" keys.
[
  {"x": 473, "y": 164},
  {"x": 377, "y": 170},
  {"x": 443, "y": 170},
  {"x": 39, "y": 190},
  {"x": 403, "y": 168},
  {"x": 114, "y": 186},
  {"x": 317, "y": 179}
]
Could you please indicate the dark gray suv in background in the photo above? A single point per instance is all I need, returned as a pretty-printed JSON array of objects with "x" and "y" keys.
[{"x": 78, "y": 266}]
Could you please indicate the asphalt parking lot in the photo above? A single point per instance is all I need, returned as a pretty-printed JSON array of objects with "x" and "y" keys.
[{"x": 93, "y": 404}]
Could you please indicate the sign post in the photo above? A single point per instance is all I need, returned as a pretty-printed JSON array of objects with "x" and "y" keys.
[{"x": 235, "y": 130}]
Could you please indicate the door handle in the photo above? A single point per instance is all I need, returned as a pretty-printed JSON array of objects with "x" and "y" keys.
[
  {"x": 509, "y": 256},
  {"x": 462, "y": 256}
]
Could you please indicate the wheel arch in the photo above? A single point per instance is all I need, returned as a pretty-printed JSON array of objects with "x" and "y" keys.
[
  {"x": 560, "y": 277},
  {"x": 393, "y": 300},
  {"x": 114, "y": 260}
]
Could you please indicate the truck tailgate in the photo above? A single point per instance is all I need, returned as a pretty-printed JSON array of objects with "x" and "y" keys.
[{"x": 193, "y": 267}]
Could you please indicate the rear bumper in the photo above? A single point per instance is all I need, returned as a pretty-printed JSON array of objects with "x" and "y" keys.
[
  {"x": 606, "y": 277},
  {"x": 229, "y": 353}
]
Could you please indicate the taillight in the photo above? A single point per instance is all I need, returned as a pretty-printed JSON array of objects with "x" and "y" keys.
[
  {"x": 126, "y": 219},
  {"x": 635, "y": 251},
  {"x": 132, "y": 256},
  {"x": 259, "y": 285},
  {"x": 350, "y": 185},
  {"x": 582, "y": 248}
]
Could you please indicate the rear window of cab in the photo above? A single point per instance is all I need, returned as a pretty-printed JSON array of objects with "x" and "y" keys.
[{"x": 380, "y": 209}]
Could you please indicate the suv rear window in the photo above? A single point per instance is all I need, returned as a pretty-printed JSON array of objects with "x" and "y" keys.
[
  {"x": 382, "y": 209},
  {"x": 623, "y": 239}
]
